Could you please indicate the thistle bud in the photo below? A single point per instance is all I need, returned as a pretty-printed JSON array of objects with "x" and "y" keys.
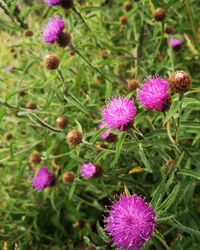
[
  {"x": 123, "y": 20},
  {"x": 68, "y": 177},
  {"x": 28, "y": 33},
  {"x": 128, "y": 6},
  {"x": 31, "y": 105},
  {"x": 159, "y": 14},
  {"x": 62, "y": 122},
  {"x": 64, "y": 39},
  {"x": 8, "y": 136},
  {"x": 180, "y": 82},
  {"x": 169, "y": 29},
  {"x": 104, "y": 54},
  {"x": 74, "y": 138},
  {"x": 67, "y": 4},
  {"x": 111, "y": 138},
  {"x": 133, "y": 85},
  {"x": 51, "y": 62},
  {"x": 35, "y": 158}
]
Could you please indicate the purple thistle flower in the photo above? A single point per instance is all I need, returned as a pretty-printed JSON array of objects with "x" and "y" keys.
[
  {"x": 130, "y": 222},
  {"x": 154, "y": 94},
  {"x": 43, "y": 179},
  {"x": 53, "y": 2},
  {"x": 88, "y": 170},
  {"x": 106, "y": 133},
  {"x": 175, "y": 43},
  {"x": 9, "y": 68},
  {"x": 53, "y": 29},
  {"x": 119, "y": 113}
]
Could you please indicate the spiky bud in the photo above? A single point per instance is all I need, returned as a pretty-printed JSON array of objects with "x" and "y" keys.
[
  {"x": 51, "y": 62},
  {"x": 28, "y": 33},
  {"x": 180, "y": 81},
  {"x": 68, "y": 177},
  {"x": 64, "y": 39},
  {"x": 74, "y": 138},
  {"x": 133, "y": 84},
  {"x": 35, "y": 158},
  {"x": 128, "y": 6},
  {"x": 123, "y": 20},
  {"x": 8, "y": 136},
  {"x": 62, "y": 122},
  {"x": 67, "y": 4},
  {"x": 31, "y": 105},
  {"x": 160, "y": 14},
  {"x": 169, "y": 29}
]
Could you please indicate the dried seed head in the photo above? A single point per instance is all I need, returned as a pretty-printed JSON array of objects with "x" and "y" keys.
[
  {"x": 67, "y": 4},
  {"x": 28, "y": 33},
  {"x": 64, "y": 39},
  {"x": 180, "y": 81},
  {"x": 160, "y": 14},
  {"x": 68, "y": 177},
  {"x": 169, "y": 29},
  {"x": 128, "y": 6},
  {"x": 74, "y": 138},
  {"x": 51, "y": 62},
  {"x": 133, "y": 84},
  {"x": 31, "y": 105},
  {"x": 123, "y": 20},
  {"x": 62, "y": 122},
  {"x": 35, "y": 158},
  {"x": 8, "y": 136}
]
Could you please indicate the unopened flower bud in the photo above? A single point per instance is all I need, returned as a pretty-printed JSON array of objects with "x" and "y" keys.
[
  {"x": 31, "y": 105},
  {"x": 68, "y": 177},
  {"x": 28, "y": 33},
  {"x": 52, "y": 62},
  {"x": 123, "y": 20},
  {"x": 64, "y": 39},
  {"x": 159, "y": 14},
  {"x": 35, "y": 158},
  {"x": 62, "y": 122},
  {"x": 169, "y": 29},
  {"x": 128, "y": 6},
  {"x": 133, "y": 84},
  {"x": 74, "y": 138}
]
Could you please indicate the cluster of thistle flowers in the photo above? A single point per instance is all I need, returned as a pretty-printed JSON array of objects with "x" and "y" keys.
[{"x": 130, "y": 221}]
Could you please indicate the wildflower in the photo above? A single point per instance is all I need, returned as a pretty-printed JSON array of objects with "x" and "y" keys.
[
  {"x": 51, "y": 62},
  {"x": 119, "y": 113},
  {"x": 74, "y": 138},
  {"x": 43, "y": 179},
  {"x": 109, "y": 137},
  {"x": 154, "y": 94},
  {"x": 180, "y": 81},
  {"x": 175, "y": 44},
  {"x": 160, "y": 14},
  {"x": 53, "y": 2},
  {"x": 88, "y": 170},
  {"x": 130, "y": 222},
  {"x": 64, "y": 3},
  {"x": 53, "y": 29}
]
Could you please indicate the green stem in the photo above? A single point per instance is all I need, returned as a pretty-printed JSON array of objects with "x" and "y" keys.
[{"x": 179, "y": 118}]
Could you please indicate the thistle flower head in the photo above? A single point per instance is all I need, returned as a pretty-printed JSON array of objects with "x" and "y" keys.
[
  {"x": 119, "y": 113},
  {"x": 53, "y": 2},
  {"x": 175, "y": 43},
  {"x": 106, "y": 133},
  {"x": 88, "y": 170},
  {"x": 53, "y": 29},
  {"x": 130, "y": 222},
  {"x": 43, "y": 179},
  {"x": 154, "y": 94}
]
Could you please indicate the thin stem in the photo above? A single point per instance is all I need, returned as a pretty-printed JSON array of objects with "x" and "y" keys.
[{"x": 179, "y": 118}]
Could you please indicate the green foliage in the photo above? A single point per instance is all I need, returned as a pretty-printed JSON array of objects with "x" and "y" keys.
[{"x": 164, "y": 145}]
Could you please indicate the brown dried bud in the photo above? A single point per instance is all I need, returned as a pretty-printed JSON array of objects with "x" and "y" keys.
[
  {"x": 100, "y": 146},
  {"x": 166, "y": 104},
  {"x": 67, "y": 4},
  {"x": 64, "y": 39},
  {"x": 8, "y": 136},
  {"x": 111, "y": 138},
  {"x": 104, "y": 54},
  {"x": 35, "y": 158},
  {"x": 99, "y": 171},
  {"x": 68, "y": 177},
  {"x": 71, "y": 53},
  {"x": 74, "y": 138},
  {"x": 12, "y": 50},
  {"x": 123, "y": 20},
  {"x": 133, "y": 84},
  {"x": 180, "y": 81},
  {"x": 169, "y": 164},
  {"x": 62, "y": 122},
  {"x": 169, "y": 29},
  {"x": 22, "y": 93},
  {"x": 28, "y": 33},
  {"x": 31, "y": 105},
  {"x": 128, "y": 6},
  {"x": 159, "y": 14},
  {"x": 51, "y": 62}
]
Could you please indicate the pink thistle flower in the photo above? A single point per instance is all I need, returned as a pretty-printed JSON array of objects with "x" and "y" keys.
[
  {"x": 53, "y": 2},
  {"x": 88, "y": 170},
  {"x": 130, "y": 222},
  {"x": 154, "y": 94},
  {"x": 43, "y": 179},
  {"x": 119, "y": 113},
  {"x": 53, "y": 29},
  {"x": 175, "y": 43}
]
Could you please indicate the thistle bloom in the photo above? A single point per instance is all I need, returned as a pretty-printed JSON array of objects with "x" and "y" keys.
[
  {"x": 43, "y": 179},
  {"x": 53, "y": 2},
  {"x": 119, "y": 113},
  {"x": 53, "y": 29},
  {"x": 106, "y": 133},
  {"x": 130, "y": 222},
  {"x": 175, "y": 43},
  {"x": 88, "y": 170},
  {"x": 154, "y": 94}
]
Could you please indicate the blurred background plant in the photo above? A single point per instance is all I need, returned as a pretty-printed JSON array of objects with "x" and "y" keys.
[{"x": 50, "y": 114}]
